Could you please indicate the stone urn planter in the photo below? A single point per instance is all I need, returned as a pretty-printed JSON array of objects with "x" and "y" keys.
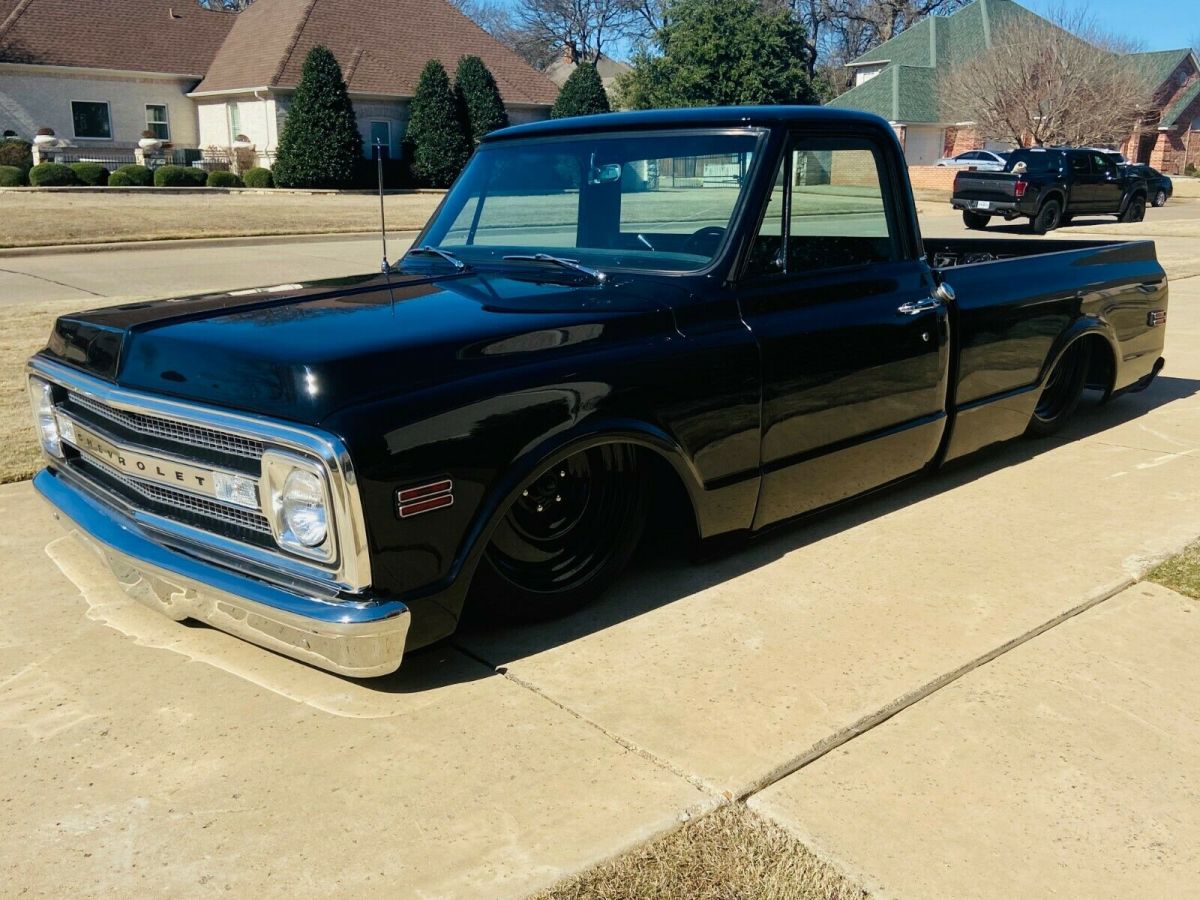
[
  {"x": 45, "y": 138},
  {"x": 149, "y": 143}
]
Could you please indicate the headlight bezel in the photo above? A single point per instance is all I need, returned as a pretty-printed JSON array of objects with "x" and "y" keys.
[
  {"x": 41, "y": 400},
  {"x": 277, "y": 467}
]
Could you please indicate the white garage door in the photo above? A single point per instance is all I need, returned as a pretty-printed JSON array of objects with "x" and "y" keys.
[{"x": 923, "y": 145}]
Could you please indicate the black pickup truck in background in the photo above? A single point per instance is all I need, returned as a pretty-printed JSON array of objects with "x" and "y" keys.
[{"x": 1049, "y": 187}]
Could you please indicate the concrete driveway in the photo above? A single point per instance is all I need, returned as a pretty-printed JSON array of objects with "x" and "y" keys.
[{"x": 963, "y": 612}]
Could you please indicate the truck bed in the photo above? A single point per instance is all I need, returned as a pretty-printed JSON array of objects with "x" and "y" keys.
[{"x": 1018, "y": 301}]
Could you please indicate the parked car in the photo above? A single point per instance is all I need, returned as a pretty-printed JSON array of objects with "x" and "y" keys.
[
  {"x": 1049, "y": 186},
  {"x": 338, "y": 470},
  {"x": 1159, "y": 187},
  {"x": 981, "y": 160}
]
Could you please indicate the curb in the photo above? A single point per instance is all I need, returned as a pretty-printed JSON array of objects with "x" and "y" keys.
[{"x": 199, "y": 243}]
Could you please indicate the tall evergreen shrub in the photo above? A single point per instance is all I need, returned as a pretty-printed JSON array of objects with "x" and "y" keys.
[
  {"x": 320, "y": 146},
  {"x": 437, "y": 140}
]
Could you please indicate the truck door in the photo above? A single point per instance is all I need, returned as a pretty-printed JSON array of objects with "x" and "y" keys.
[
  {"x": 853, "y": 341},
  {"x": 1083, "y": 183},
  {"x": 1109, "y": 187}
]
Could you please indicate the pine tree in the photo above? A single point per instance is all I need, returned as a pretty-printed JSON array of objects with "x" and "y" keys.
[
  {"x": 438, "y": 142},
  {"x": 582, "y": 94},
  {"x": 320, "y": 146},
  {"x": 478, "y": 98}
]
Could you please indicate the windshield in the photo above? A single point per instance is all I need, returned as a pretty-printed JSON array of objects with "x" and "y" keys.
[
  {"x": 1036, "y": 162},
  {"x": 649, "y": 201}
]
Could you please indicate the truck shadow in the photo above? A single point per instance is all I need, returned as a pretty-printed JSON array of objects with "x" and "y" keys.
[{"x": 668, "y": 568}]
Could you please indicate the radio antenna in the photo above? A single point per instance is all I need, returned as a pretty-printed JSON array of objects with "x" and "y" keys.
[{"x": 382, "y": 218}]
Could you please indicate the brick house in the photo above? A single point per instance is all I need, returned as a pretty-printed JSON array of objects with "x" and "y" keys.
[
  {"x": 100, "y": 72},
  {"x": 899, "y": 80}
]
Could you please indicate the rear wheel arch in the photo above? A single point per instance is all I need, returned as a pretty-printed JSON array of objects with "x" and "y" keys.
[{"x": 1102, "y": 347}]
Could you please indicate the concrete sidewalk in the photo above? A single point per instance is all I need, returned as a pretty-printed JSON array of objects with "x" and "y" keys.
[{"x": 151, "y": 758}]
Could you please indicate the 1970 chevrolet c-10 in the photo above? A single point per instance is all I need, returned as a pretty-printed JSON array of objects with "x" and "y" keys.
[{"x": 731, "y": 305}]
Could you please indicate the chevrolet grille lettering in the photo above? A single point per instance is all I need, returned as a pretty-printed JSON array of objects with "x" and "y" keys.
[{"x": 141, "y": 465}]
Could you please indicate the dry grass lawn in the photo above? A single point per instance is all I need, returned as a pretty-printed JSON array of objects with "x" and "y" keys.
[
  {"x": 727, "y": 855},
  {"x": 33, "y": 219},
  {"x": 24, "y": 328},
  {"x": 1180, "y": 573}
]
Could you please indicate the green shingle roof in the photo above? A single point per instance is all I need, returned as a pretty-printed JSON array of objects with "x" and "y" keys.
[
  {"x": 898, "y": 93},
  {"x": 1156, "y": 67},
  {"x": 1173, "y": 113},
  {"x": 907, "y": 88}
]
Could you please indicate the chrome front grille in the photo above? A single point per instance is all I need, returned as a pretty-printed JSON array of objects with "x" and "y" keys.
[
  {"x": 168, "y": 429},
  {"x": 176, "y": 469},
  {"x": 188, "y": 504}
]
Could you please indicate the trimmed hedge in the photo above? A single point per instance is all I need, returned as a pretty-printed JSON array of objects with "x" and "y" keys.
[
  {"x": 17, "y": 153},
  {"x": 133, "y": 176},
  {"x": 258, "y": 178},
  {"x": 90, "y": 173},
  {"x": 224, "y": 180},
  {"x": 11, "y": 176},
  {"x": 180, "y": 177},
  {"x": 49, "y": 174}
]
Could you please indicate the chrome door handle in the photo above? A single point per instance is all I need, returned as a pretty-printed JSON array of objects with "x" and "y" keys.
[{"x": 916, "y": 307}]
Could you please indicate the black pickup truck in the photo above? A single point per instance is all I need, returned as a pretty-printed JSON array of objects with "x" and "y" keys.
[
  {"x": 731, "y": 309},
  {"x": 1049, "y": 187}
]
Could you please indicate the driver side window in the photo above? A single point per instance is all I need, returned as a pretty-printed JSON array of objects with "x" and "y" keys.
[{"x": 829, "y": 209}]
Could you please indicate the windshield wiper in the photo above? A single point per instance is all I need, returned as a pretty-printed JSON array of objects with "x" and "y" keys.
[
  {"x": 459, "y": 265},
  {"x": 574, "y": 265}
]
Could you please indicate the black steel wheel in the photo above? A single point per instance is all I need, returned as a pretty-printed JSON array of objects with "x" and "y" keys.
[
  {"x": 1048, "y": 217},
  {"x": 975, "y": 221},
  {"x": 1062, "y": 391},
  {"x": 1135, "y": 211},
  {"x": 1160, "y": 198},
  {"x": 565, "y": 537}
]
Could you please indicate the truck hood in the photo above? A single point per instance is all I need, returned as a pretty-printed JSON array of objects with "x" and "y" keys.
[{"x": 302, "y": 351}]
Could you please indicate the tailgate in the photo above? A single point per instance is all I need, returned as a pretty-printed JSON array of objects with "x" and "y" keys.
[{"x": 985, "y": 186}]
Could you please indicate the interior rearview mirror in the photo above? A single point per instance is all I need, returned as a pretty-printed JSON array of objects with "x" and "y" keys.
[{"x": 605, "y": 174}]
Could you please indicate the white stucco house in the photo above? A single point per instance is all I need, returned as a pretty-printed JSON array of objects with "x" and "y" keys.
[{"x": 100, "y": 72}]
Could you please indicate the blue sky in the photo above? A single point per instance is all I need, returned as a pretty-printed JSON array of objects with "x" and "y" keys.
[{"x": 1158, "y": 24}]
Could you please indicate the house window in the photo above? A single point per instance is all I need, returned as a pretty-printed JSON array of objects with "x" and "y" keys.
[
  {"x": 156, "y": 121},
  {"x": 92, "y": 119},
  {"x": 235, "y": 121},
  {"x": 381, "y": 138}
]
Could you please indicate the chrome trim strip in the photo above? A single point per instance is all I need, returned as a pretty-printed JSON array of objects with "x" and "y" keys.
[
  {"x": 359, "y": 638},
  {"x": 352, "y": 571}
]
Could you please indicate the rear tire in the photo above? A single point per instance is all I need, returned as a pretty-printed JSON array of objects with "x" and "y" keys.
[
  {"x": 1135, "y": 210},
  {"x": 1160, "y": 199},
  {"x": 565, "y": 538},
  {"x": 1048, "y": 217},
  {"x": 975, "y": 221},
  {"x": 1062, "y": 391}
]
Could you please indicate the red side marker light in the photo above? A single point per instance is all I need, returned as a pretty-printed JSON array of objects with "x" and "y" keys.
[{"x": 424, "y": 498}]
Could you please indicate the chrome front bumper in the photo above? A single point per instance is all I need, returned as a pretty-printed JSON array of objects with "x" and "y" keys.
[{"x": 358, "y": 639}]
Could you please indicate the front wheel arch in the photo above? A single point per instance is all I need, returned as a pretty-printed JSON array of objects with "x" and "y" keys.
[{"x": 672, "y": 471}]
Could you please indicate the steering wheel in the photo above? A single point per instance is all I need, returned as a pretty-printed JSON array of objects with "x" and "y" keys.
[{"x": 705, "y": 241}]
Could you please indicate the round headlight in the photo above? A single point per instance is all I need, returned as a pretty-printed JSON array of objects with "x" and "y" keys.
[{"x": 303, "y": 508}]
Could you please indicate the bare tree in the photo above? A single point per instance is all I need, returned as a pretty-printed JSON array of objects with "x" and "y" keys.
[
  {"x": 579, "y": 28},
  {"x": 1063, "y": 82}
]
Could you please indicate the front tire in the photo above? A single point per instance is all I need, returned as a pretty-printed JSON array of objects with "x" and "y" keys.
[
  {"x": 1135, "y": 211},
  {"x": 1047, "y": 218},
  {"x": 1062, "y": 392},
  {"x": 975, "y": 221},
  {"x": 1160, "y": 199},
  {"x": 565, "y": 538}
]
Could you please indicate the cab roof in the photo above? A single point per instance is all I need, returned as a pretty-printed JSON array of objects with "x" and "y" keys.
[{"x": 702, "y": 117}]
